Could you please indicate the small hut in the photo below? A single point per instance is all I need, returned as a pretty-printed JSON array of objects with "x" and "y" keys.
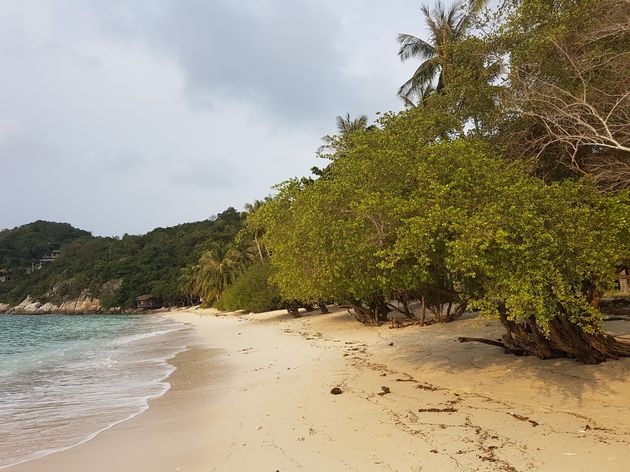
[{"x": 147, "y": 302}]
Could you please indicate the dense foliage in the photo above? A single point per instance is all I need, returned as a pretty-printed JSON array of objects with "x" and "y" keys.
[
  {"x": 252, "y": 291},
  {"x": 458, "y": 201}
]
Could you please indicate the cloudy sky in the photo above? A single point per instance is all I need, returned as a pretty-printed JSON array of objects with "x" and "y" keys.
[{"x": 119, "y": 116}]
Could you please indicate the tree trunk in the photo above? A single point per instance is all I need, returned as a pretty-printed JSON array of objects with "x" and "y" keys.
[
  {"x": 457, "y": 313},
  {"x": 379, "y": 309},
  {"x": 293, "y": 308},
  {"x": 375, "y": 313},
  {"x": 423, "y": 311},
  {"x": 257, "y": 242},
  {"x": 564, "y": 340}
]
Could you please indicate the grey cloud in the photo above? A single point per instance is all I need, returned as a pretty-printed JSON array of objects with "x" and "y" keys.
[
  {"x": 205, "y": 173},
  {"x": 280, "y": 55},
  {"x": 122, "y": 115}
]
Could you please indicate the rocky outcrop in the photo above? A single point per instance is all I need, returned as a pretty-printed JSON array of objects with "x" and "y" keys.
[
  {"x": 84, "y": 304},
  {"x": 58, "y": 303}
]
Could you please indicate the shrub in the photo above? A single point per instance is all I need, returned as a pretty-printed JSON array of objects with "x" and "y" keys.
[{"x": 252, "y": 291}]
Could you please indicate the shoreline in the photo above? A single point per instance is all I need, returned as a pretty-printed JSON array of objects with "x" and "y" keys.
[{"x": 255, "y": 395}]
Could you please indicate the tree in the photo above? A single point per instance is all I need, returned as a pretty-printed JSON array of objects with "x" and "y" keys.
[
  {"x": 188, "y": 283},
  {"x": 336, "y": 144},
  {"x": 327, "y": 237},
  {"x": 569, "y": 82},
  {"x": 252, "y": 229},
  {"x": 535, "y": 256},
  {"x": 218, "y": 267},
  {"x": 413, "y": 210},
  {"x": 447, "y": 25},
  {"x": 252, "y": 290}
]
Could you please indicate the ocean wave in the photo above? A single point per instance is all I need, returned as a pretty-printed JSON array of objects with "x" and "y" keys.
[
  {"x": 88, "y": 386},
  {"x": 140, "y": 337}
]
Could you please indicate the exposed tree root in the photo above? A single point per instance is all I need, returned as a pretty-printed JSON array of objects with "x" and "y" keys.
[{"x": 564, "y": 340}]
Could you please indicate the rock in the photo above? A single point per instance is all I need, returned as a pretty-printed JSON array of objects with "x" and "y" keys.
[
  {"x": 336, "y": 391},
  {"x": 84, "y": 304}
]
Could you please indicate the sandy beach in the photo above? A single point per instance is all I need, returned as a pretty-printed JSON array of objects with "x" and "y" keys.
[{"x": 254, "y": 395}]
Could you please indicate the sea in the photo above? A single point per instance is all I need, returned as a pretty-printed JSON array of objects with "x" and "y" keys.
[{"x": 65, "y": 379}]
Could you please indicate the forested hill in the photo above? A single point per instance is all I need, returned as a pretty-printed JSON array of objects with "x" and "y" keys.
[
  {"x": 22, "y": 245},
  {"x": 116, "y": 270}
]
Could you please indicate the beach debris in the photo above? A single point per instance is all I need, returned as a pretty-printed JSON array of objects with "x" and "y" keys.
[
  {"x": 525, "y": 418},
  {"x": 434, "y": 451},
  {"x": 449, "y": 409},
  {"x": 385, "y": 391},
  {"x": 336, "y": 391},
  {"x": 390, "y": 344}
]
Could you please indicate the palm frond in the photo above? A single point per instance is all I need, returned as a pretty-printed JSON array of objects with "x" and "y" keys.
[
  {"x": 423, "y": 76},
  {"x": 412, "y": 46}
]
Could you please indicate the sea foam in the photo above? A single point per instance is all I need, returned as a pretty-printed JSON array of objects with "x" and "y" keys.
[{"x": 65, "y": 379}]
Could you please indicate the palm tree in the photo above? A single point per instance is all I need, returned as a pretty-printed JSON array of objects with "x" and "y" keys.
[
  {"x": 420, "y": 96},
  {"x": 188, "y": 282},
  {"x": 218, "y": 267},
  {"x": 447, "y": 25},
  {"x": 346, "y": 126}
]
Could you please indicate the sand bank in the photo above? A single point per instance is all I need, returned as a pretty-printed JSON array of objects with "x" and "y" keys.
[{"x": 254, "y": 395}]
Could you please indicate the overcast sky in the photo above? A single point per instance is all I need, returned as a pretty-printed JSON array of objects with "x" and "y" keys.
[{"x": 119, "y": 116}]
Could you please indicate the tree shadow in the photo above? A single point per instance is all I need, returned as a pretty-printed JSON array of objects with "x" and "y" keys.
[{"x": 435, "y": 350}]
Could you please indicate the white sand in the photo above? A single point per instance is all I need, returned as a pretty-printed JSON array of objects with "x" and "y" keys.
[{"x": 255, "y": 396}]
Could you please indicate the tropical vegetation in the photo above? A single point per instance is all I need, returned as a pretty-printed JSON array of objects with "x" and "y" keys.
[{"x": 502, "y": 187}]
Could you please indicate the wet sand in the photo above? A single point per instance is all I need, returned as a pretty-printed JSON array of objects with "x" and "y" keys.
[{"x": 254, "y": 395}]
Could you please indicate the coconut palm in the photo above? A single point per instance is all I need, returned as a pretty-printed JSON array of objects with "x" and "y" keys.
[
  {"x": 418, "y": 97},
  {"x": 446, "y": 25},
  {"x": 346, "y": 126},
  {"x": 218, "y": 267},
  {"x": 188, "y": 282}
]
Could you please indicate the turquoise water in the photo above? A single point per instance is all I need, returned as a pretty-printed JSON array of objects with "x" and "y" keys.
[{"x": 63, "y": 379}]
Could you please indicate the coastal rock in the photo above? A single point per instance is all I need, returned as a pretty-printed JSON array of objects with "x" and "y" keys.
[
  {"x": 27, "y": 306},
  {"x": 84, "y": 304}
]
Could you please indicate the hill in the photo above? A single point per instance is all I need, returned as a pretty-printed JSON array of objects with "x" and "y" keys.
[
  {"x": 114, "y": 270},
  {"x": 20, "y": 246}
]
